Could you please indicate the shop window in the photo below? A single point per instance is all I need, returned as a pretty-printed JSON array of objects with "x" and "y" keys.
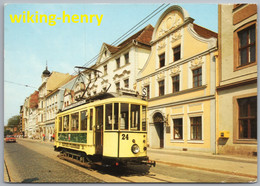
[
  {"x": 177, "y": 128},
  {"x": 75, "y": 122},
  {"x": 196, "y": 128},
  {"x": 197, "y": 77},
  {"x": 247, "y": 118},
  {"x": 84, "y": 120},
  {"x": 108, "y": 116},
  {"x": 175, "y": 84},
  {"x": 162, "y": 60},
  {"x": 161, "y": 88},
  {"x": 177, "y": 53}
]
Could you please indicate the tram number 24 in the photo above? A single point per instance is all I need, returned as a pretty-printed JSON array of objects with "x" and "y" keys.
[{"x": 125, "y": 137}]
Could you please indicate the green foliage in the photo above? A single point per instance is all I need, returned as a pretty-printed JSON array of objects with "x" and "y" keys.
[
  {"x": 14, "y": 121},
  {"x": 7, "y": 132}
]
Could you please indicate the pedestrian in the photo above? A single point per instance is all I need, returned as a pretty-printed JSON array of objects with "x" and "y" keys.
[
  {"x": 53, "y": 136},
  {"x": 43, "y": 137}
]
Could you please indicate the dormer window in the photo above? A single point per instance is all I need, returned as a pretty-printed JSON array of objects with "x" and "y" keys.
[{"x": 105, "y": 53}]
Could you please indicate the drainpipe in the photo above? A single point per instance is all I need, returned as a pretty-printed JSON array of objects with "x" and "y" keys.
[{"x": 217, "y": 102}]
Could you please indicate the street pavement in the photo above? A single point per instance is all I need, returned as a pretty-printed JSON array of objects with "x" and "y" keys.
[
  {"x": 202, "y": 161},
  {"x": 239, "y": 166}
]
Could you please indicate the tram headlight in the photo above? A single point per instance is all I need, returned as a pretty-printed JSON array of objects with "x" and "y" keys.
[{"x": 135, "y": 148}]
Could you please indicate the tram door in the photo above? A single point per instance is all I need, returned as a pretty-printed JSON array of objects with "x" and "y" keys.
[{"x": 99, "y": 130}]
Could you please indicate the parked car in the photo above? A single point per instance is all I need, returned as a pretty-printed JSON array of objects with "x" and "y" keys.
[{"x": 10, "y": 138}]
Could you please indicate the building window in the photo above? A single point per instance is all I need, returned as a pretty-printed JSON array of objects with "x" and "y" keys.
[
  {"x": 177, "y": 53},
  {"x": 247, "y": 118},
  {"x": 197, "y": 77},
  {"x": 162, "y": 60},
  {"x": 147, "y": 91},
  {"x": 161, "y": 88},
  {"x": 177, "y": 128},
  {"x": 247, "y": 46},
  {"x": 175, "y": 84},
  {"x": 118, "y": 63},
  {"x": 117, "y": 86},
  {"x": 196, "y": 129},
  {"x": 105, "y": 69},
  {"x": 126, "y": 82},
  {"x": 126, "y": 58}
]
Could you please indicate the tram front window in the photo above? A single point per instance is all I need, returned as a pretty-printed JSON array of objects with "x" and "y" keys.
[
  {"x": 135, "y": 117},
  {"x": 124, "y": 116}
]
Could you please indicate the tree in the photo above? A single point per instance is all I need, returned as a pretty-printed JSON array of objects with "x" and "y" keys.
[{"x": 13, "y": 121}]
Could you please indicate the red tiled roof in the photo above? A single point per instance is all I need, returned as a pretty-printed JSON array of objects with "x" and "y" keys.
[
  {"x": 33, "y": 101},
  {"x": 144, "y": 36},
  {"x": 204, "y": 32}
]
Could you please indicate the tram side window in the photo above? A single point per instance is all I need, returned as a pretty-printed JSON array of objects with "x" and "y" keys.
[
  {"x": 75, "y": 122},
  {"x": 84, "y": 119},
  {"x": 99, "y": 117},
  {"x": 144, "y": 118},
  {"x": 90, "y": 119},
  {"x": 66, "y": 121},
  {"x": 135, "y": 117},
  {"x": 116, "y": 116},
  {"x": 124, "y": 116},
  {"x": 60, "y": 123},
  {"x": 108, "y": 116}
]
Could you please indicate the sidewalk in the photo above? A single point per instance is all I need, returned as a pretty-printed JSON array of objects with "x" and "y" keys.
[{"x": 240, "y": 166}]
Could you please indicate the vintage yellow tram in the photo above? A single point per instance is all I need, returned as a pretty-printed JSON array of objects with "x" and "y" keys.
[{"x": 107, "y": 128}]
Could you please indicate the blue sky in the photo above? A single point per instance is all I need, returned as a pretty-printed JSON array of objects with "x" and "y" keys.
[{"x": 27, "y": 46}]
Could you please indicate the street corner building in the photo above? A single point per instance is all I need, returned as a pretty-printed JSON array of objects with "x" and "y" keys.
[
  {"x": 179, "y": 78},
  {"x": 237, "y": 80}
]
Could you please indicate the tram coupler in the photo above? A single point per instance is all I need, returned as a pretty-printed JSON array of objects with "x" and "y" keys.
[{"x": 149, "y": 162}]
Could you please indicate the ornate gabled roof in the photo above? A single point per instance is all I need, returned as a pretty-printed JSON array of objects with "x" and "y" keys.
[
  {"x": 143, "y": 36},
  {"x": 204, "y": 32}
]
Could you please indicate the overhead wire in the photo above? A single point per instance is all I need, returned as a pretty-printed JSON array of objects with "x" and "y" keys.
[
  {"x": 20, "y": 84},
  {"x": 131, "y": 30}
]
